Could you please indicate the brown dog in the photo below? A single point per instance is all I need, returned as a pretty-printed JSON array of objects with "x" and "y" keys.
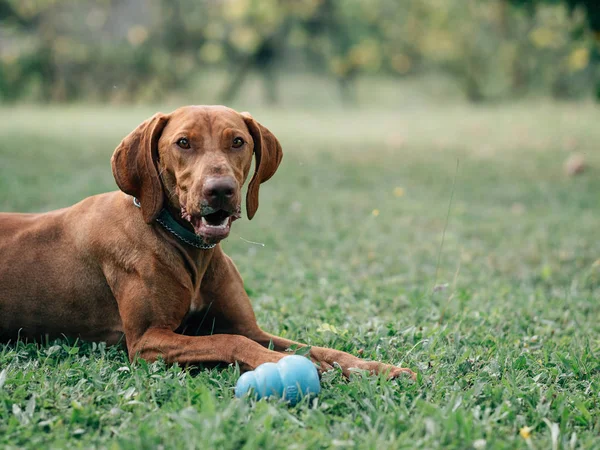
[{"x": 145, "y": 263}]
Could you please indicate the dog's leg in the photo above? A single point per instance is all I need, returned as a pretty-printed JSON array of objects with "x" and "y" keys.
[
  {"x": 218, "y": 348},
  {"x": 223, "y": 285},
  {"x": 327, "y": 358},
  {"x": 152, "y": 306}
]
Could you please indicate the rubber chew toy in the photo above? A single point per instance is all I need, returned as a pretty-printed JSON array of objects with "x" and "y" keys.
[{"x": 291, "y": 378}]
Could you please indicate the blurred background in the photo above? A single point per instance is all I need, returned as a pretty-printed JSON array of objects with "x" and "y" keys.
[{"x": 159, "y": 50}]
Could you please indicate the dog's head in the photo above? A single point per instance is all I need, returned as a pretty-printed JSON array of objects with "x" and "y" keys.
[{"x": 195, "y": 161}]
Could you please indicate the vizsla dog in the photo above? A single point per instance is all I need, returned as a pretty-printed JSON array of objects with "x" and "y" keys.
[{"x": 144, "y": 263}]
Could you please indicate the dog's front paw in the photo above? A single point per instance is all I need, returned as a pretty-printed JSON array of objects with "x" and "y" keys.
[
  {"x": 377, "y": 368},
  {"x": 348, "y": 363}
]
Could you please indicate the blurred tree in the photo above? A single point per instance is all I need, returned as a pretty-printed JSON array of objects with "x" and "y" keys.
[
  {"x": 260, "y": 51},
  {"x": 592, "y": 9},
  {"x": 125, "y": 50},
  {"x": 17, "y": 64}
]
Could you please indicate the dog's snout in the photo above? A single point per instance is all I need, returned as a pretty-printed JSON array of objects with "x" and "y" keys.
[{"x": 219, "y": 189}]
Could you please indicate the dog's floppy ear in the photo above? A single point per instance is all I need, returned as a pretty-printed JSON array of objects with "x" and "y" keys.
[
  {"x": 134, "y": 166},
  {"x": 268, "y": 155}
]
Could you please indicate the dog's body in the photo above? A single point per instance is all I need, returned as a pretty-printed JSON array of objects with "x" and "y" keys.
[
  {"x": 110, "y": 267},
  {"x": 52, "y": 279}
]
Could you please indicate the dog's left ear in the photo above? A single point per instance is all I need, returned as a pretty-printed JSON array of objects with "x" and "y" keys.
[
  {"x": 268, "y": 155},
  {"x": 134, "y": 165}
]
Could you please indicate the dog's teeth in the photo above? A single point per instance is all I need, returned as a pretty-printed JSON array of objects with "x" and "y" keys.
[{"x": 221, "y": 225}]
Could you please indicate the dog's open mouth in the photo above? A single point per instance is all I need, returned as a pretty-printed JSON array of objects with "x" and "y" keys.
[
  {"x": 212, "y": 226},
  {"x": 218, "y": 219}
]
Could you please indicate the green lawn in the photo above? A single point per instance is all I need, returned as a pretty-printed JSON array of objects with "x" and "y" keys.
[{"x": 352, "y": 226}]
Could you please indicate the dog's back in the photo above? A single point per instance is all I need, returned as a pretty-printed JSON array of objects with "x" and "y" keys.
[{"x": 44, "y": 276}]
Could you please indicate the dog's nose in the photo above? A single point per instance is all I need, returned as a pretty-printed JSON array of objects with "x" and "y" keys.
[{"x": 219, "y": 189}]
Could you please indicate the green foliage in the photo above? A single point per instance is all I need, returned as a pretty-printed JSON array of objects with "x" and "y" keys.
[
  {"x": 506, "y": 347},
  {"x": 139, "y": 50},
  {"x": 495, "y": 50}
]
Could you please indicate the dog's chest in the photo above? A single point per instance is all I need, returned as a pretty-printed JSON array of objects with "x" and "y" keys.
[
  {"x": 204, "y": 321},
  {"x": 196, "y": 303},
  {"x": 196, "y": 270}
]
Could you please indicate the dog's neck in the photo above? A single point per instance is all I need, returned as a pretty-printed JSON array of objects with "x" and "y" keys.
[
  {"x": 175, "y": 213},
  {"x": 170, "y": 219}
]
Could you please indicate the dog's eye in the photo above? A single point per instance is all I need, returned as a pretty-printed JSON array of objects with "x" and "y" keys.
[
  {"x": 237, "y": 142},
  {"x": 184, "y": 143}
]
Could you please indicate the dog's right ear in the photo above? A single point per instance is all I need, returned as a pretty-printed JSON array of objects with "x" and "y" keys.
[
  {"x": 268, "y": 155},
  {"x": 134, "y": 166}
]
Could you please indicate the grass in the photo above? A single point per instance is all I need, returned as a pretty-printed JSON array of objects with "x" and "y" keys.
[{"x": 506, "y": 346}]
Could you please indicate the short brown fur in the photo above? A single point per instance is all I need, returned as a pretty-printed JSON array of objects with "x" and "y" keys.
[{"x": 104, "y": 270}]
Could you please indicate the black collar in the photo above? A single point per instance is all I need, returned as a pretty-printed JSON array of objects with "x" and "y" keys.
[{"x": 172, "y": 226}]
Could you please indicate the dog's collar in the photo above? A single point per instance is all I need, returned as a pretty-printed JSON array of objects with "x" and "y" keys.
[{"x": 171, "y": 225}]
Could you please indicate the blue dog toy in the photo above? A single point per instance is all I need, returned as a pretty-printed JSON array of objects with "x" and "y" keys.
[{"x": 291, "y": 378}]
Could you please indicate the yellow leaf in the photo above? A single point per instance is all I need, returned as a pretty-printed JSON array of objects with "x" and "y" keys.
[
  {"x": 401, "y": 63},
  {"x": 211, "y": 52},
  {"x": 366, "y": 54},
  {"x": 525, "y": 432},
  {"x": 579, "y": 59},
  {"x": 543, "y": 37},
  {"x": 236, "y": 10},
  {"x": 245, "y": 38},
  {"x": 137, "y": 34}
]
